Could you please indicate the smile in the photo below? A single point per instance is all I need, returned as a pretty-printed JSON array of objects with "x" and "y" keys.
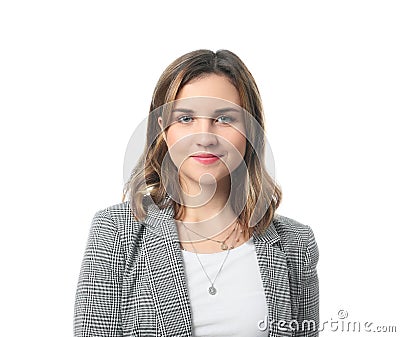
[{"x": 206, "y": 158}]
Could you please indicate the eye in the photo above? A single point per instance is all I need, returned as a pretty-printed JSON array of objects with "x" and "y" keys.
[
  {"x": 225, "y": 119},
  {"x": 184, "y": 119}
]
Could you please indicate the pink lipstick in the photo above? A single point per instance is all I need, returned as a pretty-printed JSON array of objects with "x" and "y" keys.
[{"x": 206, "y": 158}]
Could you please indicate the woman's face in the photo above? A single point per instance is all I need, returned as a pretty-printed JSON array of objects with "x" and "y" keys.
[{"x": 206, "y": 120}]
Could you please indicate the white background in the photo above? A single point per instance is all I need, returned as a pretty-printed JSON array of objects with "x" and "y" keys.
[{"x": 76, "y": 78}]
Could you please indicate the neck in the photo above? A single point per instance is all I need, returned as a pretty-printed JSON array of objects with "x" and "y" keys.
[
  {"x": 206, "y": 201},
  {"x": 207, "y": 207}
]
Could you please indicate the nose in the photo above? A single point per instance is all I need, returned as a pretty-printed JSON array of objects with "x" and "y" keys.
[{"x": 204, "y": 132}]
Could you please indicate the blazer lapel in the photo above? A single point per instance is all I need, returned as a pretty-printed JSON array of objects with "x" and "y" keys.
[
  {"x": 167, "y": 274},
  {"x": 274, "y": 274}
]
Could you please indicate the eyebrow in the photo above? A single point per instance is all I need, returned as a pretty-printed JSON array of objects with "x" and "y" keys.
[{"x": 216, "y": 112}]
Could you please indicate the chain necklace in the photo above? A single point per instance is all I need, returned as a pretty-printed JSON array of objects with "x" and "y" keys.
[
  {"x": 212, "y": 290},
  {"x": 224, "y": 246}
]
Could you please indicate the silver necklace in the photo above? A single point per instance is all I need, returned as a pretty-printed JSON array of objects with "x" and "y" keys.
[
  {"x": 224, "y": 246},
  {"x": 212, "y": 290}
]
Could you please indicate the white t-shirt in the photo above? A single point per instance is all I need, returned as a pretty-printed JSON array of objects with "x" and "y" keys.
[{"x": 239, "y": 303}]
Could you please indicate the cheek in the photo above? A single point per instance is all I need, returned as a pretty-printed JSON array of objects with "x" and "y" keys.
[
  {"x": 239, "y": 142},
  {"x": 178, "y": 146},
  {"x": 242, "y": 145},
  {"x": 173, "y": 137}
]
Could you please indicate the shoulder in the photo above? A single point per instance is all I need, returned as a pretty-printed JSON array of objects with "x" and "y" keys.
[
  {"x": 297, "y": 239},
  {"x": 119, "y": 219},
  {"x": 116, "y": 211},
  {"x": 289, "y": 229}
]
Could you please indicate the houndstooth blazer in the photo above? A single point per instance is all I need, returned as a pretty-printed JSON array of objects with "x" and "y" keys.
[{"x": 132, "y": 280}]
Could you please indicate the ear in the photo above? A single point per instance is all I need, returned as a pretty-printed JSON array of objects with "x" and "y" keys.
[{"x": 159, "y": 120}]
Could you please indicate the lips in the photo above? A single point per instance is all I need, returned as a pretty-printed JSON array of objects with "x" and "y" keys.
[
  {"x": 207, "y": 155},
  {"x": 206, "y": 158}
]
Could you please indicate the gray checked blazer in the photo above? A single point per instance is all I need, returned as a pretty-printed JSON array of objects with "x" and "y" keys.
[{"x": 132, "y": 280}]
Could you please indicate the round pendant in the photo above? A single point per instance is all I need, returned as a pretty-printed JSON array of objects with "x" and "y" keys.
[
  {"x": 212, "y": 290},
  {"x": 224, "y": 246}
]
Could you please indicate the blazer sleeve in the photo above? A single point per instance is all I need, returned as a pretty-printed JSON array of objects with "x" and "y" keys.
[
  {"x": 308, "y": 314},
  {"x": 98, "y": 296}
]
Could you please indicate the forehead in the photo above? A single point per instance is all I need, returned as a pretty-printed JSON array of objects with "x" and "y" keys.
[{"x": 210, "y": 85}]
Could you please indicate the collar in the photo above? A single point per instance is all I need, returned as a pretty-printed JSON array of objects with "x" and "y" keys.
[{"x": 161, "y": 222}]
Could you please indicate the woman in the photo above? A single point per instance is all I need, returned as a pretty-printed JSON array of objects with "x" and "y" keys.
[{"x": 198, "y": 249}]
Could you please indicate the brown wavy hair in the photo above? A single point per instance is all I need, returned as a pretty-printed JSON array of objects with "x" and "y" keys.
[{"x": 262, "y": 195}]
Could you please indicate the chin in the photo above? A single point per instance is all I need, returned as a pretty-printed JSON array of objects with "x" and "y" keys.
[{"x": 209, "y": 178}]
